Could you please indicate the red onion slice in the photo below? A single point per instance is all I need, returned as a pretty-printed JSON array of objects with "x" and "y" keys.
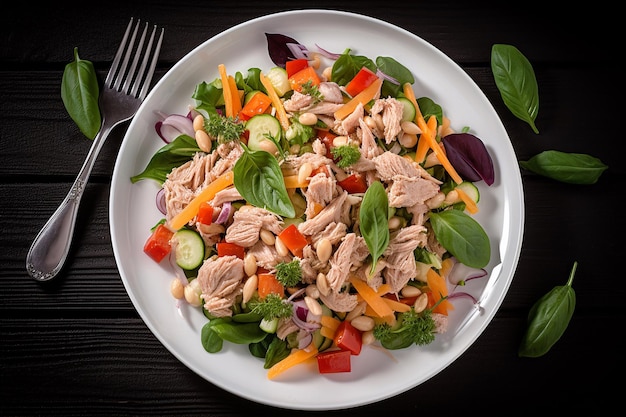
[
  {"x": 173, "y": 126},
  {"x": 224, "y": 213},
  {"x": 160, "y": 201},
  {"x": 461, "y": 273}
]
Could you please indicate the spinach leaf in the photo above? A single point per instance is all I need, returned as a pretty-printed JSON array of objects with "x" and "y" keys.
[
  {"x": 515, "y": 79},
  {"x": 548, "y": 318},
  {"x": 211, "y": 340},
  {"x": 277, "y": 351},
  {"x": 239, "y": 333},
  {"x": 209, "y": 96},
  {"x": 258, "y": 178},
  {"x": 399, "y": 72},
  {"x": 347, "y": 65},
  {"x": 462, "y": 236},
  {"x": 573, "y": 168},
  {"x": 374, "y": 218},
  {"x": 429, "y": 108},
  {"x": 170, "y": 156},
  {"x": 79, "y": 92}
]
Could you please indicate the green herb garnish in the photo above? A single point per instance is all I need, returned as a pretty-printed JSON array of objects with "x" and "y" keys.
[
  {"x": 271, "y": 307},
  {"x": 572, "y": 168},
  {"x": 225, "y": 129},
  {"x": 289, "y": 273},
  {"x": 374, "y": 218},
  {"x": 346, "y": 155},
  {"x": 413, "y": 328}
]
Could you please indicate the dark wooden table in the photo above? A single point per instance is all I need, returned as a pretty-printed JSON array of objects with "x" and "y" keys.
[{"x": 76, "y": 346}]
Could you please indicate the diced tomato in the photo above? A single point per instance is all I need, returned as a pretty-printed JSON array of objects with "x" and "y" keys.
[
  {"x": 334, "y": 361},
  {"x": 347, "y": 337},
  {"x": 293, "y": 239},
  {"x": 326, "y": 138},
  {"x": 295, "y": 65},
  {"x": 354, "y": 183},
  {"x": 363, "y": 79},
  {"x": 308, "y": 74},
  {"x": 227, "y": 249},
  {"x": 269, "y": 284},
  {"x": 404, "y": 300},
  {"x": 258, "y": 104},
  {"x": 205, "y": 213},
  {"x": 158, "y": 244}
]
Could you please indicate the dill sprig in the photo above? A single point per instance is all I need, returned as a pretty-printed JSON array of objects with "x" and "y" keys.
[
  {"x": 271, "y": 307},
  {"x": 313, "y": 91},
  {"x": 225, "y": 129}
]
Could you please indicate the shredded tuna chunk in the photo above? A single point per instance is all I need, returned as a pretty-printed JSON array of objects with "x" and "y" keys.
[
  {"x": 408, "y": 191},
  {"x": 391, "y": 110},
  {"x": 389, "y": 165},
  {"x": 340, "y": 301},
  {"x": 221, "y": 281},
  {"x": 247, "y": 224}
]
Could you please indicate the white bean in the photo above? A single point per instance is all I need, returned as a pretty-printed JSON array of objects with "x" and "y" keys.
[
  {"x": 177, "y": 289},
  {"x": 340, "y": 141},
  {"x": 308, "y": 119},
  {"x": 203, "y": 140},
  {"x": 324, "y": 249},
  {"x": 322, "y": 284},
  {"x": 198, "y": 123},
  {"x": 367, "y": 338},
  {"x": 267, "y": 237},
  {"x": 313, "y": 306},
  {"x": 304, "y": 172},
  {"x": 410, "y": 291},
  {"x": 249, "y": 287},
  {"x": 281, "y": 248},
  {"x": 312, "y": 291},
  {"x": 421, "y": 303},
  {"x": 192, "y": 293},
  {"x": 410, "y": 127},
  {"x": 363, "y": 323},
  {"x": 357, "y": 311},
  {"x": 249, "y": 264},
  {"x": 408, "y": 140}
]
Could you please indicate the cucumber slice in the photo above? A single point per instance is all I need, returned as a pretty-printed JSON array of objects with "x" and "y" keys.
[
  {"x": 279, "y": 79},
  {"x": 259, "y": 126},
  {"x": 408, "y": 112},
  {"x": 470, "y": 189},
  {"x": 269, "y": 326},
  {"x": 189, "y": 249}
]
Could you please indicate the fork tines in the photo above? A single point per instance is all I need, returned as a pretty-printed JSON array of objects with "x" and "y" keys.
[{"x": 137, "y": 83}]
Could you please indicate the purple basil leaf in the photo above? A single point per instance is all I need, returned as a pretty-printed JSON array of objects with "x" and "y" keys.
[
  {"x": 277, "y": 48},
  {"x": 469, "y": 156}
]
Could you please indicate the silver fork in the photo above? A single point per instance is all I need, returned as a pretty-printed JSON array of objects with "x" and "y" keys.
[{"x": 123, "y": 91}]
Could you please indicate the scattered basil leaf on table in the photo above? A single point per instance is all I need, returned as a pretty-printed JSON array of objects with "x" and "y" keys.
[
  {"x": 374, "y": 221},
  {"x": 259, "y": 180},
  {"x": 79, "y": 92},
  {"x": 573, "y": 168},
  {"x": 548, "y": 318},
  {"x": 515, "y": 79},
  {"x": 462, "y": 236}
]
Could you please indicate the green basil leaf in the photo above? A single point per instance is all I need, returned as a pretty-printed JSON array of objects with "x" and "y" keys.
[
  {"x": 515, "y": 79},
  {"x": 346, "y": 66},
  {"x": 394, "y": 69},
  {"x": 170, "y": 156},
  {"x": 259, "y": 180},
  {"x": 211, "y": 341},
  {"x": 79, "y": 92},
  {"x": 548, "y": 318},
  {"x": 429, "y": 108},
  {"x": 573, "y": 168},
  {"x": 462, "y": 236},
  {"x": 374, "y": 220},
  {"x": 277, "y": 351}
]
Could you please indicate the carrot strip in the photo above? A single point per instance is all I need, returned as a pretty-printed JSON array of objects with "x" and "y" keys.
[
  {"x": 470, "y": 205},
  {"x": 278, "y": 105},
  {"x": 207, "y": 194},
  {"x": 234, "y": 92},
  {"x": 330, "y": 322},
  {"x": 363, "y": 98},
  {"x": 439, "y": 289},
  {"x": 369, "y": 295},
  {"x": 446, "y": 267},
  {"x": 383, "y": 289},
  {"x": 296, "y": 357},
  {"x": 228, "y": 96},
  {"x": 431, "y": 140},
  {"x": 396, "y": 305},
  {"x": 424, "y": 143}
]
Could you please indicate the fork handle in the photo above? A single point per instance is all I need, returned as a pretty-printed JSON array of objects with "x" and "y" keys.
[{"x": 51, "y": 246}]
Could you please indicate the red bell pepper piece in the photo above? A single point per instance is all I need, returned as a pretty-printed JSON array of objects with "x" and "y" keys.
[
  {"x": 269, "y": 284},
  {"x": 205, "y": 213},
  {"x": 228, "y": 249},
  {"x": 334, "y": 361},
  {"x": 258, "y": 104},
  {"x": 348, "y": 337},
  {"x": 363, "y": 79},
  {"x": 354, "y": 183},
  {"x": 158, "y": 244},
  {"x": 296, "y": 65},
  {"x": 293, "y": 239}
]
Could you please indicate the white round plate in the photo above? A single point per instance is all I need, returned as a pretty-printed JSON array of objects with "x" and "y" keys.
[{"x": 374, "y": 376}]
